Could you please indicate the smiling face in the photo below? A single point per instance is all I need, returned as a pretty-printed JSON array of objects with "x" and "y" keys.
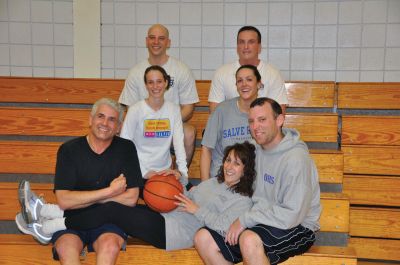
[
  {"x": 264, "y": 127},
  {"x": 104, "y": 124},
  {"x": 233, "y": 169},
  {"x": 248, "y": 47},
  {"x": 156, "y": 84},
  {"x": 247, "y": 84},
  {"x": 157, "y": 40}
]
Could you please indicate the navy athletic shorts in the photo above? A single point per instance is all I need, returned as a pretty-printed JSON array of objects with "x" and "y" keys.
[
  {"x": 88, "y": 237},
  {"x": 279, "y": 244}
]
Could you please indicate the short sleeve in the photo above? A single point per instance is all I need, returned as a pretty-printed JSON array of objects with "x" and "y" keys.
[
  {"x": 65, "y": 177},
  {"x": 130, "y": 92},
  {"x": 216, "y": 93},
  {"x": 187, "y": 87},
  {"x": 210, "y": 137}
]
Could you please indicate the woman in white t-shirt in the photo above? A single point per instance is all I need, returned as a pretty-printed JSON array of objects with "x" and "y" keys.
[{"x": 153, "y": 124}]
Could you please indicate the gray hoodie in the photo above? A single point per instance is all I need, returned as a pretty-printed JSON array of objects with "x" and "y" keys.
[
  {"x": 219, "y": 207},
  {"x": 287, "y": 190}
]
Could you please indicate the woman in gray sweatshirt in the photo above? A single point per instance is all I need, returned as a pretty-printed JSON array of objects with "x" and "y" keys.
[{"x": 214, "y": 204}]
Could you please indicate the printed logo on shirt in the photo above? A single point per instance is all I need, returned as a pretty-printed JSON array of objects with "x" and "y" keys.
[
  {"x": 157, "y": 128},
  {"x": 171, "y": 81},
  {"x": 268, "y": 178},
  {"x": 241, "y": 131}
]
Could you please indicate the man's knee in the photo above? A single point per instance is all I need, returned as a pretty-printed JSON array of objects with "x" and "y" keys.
[
  {"x": 109, "y": 244},
  {"x": 250, "y": 242},
  {"x": 189, "y": 132},
  {"x": 68, "y": 247},
  {"x": 202, "y": 238}
]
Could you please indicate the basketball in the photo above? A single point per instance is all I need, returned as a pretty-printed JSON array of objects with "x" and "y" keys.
[{"x": 159, "y": 192}]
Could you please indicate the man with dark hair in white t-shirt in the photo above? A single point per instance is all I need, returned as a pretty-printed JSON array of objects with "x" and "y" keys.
[{"x": 223, "y": 85}]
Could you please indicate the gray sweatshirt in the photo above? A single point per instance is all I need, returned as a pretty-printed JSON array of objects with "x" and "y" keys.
[
  {"x": 218, "y": 208},
  {"x": 287, "y": 190}
]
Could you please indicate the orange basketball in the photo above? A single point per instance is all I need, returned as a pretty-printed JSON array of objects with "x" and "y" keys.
[{"x": 159, "y": 192}]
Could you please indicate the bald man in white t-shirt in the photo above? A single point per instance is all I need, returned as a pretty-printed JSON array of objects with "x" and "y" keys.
[{"x": 182, "y": 89}]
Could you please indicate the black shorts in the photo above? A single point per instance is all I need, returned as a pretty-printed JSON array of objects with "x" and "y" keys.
[
  {"x": 279, "y": 244},
  {"x": 88, "y": 237}
]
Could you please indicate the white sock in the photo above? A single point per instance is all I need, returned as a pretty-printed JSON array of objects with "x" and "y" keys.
[
  {"x": 53, "y": 225},
  {"x": 51, "y": 211}
]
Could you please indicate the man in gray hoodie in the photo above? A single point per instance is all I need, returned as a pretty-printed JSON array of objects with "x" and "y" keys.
[{"x": 286, "y": 209}]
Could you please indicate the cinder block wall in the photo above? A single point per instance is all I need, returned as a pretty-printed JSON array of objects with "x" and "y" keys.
[{"x": 308, "y": 40}]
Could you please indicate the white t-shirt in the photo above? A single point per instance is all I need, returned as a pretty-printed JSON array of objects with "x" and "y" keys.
[
  {"x": 223, "y": 85},
  {"x": 152, "y": 132},
  {"x": 182, "y": 88}
]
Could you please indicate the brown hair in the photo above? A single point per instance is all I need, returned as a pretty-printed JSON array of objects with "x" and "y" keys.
[
  {"x": 246, "y": 153},
  {"x": 166, "y": 77},
  {"x": 249, "y": 28},
  {"x": 276, "y": 108}
]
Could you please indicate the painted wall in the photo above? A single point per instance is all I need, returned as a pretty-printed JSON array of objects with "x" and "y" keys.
[{"x": 308, "y": 40}]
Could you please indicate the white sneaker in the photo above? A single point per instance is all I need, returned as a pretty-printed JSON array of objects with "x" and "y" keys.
[
  {"x": 30, "y": 202},
  {"x": 34, "y": 229}
]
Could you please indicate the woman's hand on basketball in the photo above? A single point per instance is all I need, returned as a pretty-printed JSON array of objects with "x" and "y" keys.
[
  {"x": 186, "y": 204},
  {"x": 167, "y": 172}
]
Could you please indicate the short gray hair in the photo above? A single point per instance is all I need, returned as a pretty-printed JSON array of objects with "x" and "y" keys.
[{"x": 113, "y": 104}]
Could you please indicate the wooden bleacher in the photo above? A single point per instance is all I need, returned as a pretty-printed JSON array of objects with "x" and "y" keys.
[
  {"x": 334, "y": 216},
  {"x": 138, "y": 254},
  {"x": 329, "y": 164},
  {"x": 51, "y": 108},
  {"x": 315, "y": 94},
  {"x": 58, "y": 90},
  {"x": 86, "y": 91},
  {"x": 371, "y": 148}
]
